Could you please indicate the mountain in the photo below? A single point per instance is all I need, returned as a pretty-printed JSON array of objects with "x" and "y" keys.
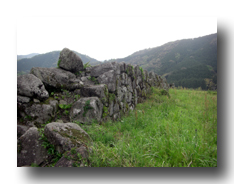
[
  {"x": 47, "y": 60},
  {"x": 26, "y": 56},
  {"x": 189, "y": 63}
]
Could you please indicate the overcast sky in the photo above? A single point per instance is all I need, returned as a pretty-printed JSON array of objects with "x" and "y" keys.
[{"x": 107, "y": 37}]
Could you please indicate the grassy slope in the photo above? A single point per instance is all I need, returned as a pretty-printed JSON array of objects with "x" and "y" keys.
[{"x": 179, "y": 131}]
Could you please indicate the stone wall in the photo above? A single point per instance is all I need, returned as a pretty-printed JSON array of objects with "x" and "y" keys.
[{"x": 76, "y": 93}]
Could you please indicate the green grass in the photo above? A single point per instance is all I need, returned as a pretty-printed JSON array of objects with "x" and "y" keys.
[{"x": 179, "y": 130}]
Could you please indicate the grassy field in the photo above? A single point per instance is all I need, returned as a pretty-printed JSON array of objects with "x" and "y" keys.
[{"x": 179, "y": 130}]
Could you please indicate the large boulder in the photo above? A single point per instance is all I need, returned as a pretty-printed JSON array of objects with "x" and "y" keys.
[
  {"x": 57, "y": 78},
  {"x": 30, "y": 86},
  {"x": 70, "y": 61},
  {"x": 105, "y": 67},
  {"x": 65, "y": 136},
  {"x": 30, "y": 149},
  {"x": 99, "y": 91},
  {"x": 111, "y": 79},
  {"x": 85, "y": 110},
  {"x": 39, "y": 113}
]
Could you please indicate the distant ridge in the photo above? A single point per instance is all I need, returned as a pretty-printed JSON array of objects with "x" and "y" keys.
[
  {"x": 47, "y": 60},
  {"x": 189, "y": 63},
  {"x": 26, "y": 56}
]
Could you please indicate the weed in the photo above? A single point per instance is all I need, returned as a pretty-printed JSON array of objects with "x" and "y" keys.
[
  {"x": 87, "y": 65},
  {"x": 34, "y": 165},
  {"x": 64, "y": 106},
  {"x": 76, "y": 97},
  {"x": 94, "y": 80},
  {"x": 66, "y": 112},
  {"x": 58, "y": 62},
  {"x": 50, "y": 148},
  {"x": 105, "y": 111},
  {"x": 142, "y": 73}
]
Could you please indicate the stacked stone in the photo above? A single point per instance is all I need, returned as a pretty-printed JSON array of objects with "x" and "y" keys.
[
  {"x": 111, "y": 89},
  {"x": 106, "y": 91}
]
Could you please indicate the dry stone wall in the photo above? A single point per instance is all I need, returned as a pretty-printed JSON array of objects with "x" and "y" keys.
[{"x": 77, "y": 93}]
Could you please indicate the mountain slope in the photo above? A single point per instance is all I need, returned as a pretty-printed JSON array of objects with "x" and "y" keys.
[
  {"x": 47, "y": 60},
  {"x": 180, "y": 60},
  {"x": 26, "y": 56}
]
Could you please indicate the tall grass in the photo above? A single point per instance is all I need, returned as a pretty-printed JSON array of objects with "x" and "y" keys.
[{"x": 179, "y": 130}]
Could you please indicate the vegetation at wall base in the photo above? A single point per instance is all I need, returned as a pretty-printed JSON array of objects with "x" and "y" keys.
[{"x": 180, "y": 131}]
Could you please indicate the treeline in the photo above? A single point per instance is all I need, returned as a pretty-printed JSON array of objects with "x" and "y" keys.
[
  {"x": 189, "y": 63},
  {"x": 192, "y": 77}
]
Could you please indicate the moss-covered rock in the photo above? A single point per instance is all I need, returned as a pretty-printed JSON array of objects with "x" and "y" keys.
[{"x": 65, "y": 136}]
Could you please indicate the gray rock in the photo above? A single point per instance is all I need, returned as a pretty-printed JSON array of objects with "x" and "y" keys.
[
  {"x": 57, "y": 78},
  {"x": 129, "y": 97},
  {"x": 75, "y": 158},
  {"x": 146, "y": 75},
  {"x": 21, "y": 129},
  {"x": 65, "y": 136},
  {"x": 129, "y": 85},
  {"x": 120, "y": 94},
  {"x": 85, "y": 110},
  {"x": 36, "y": 100},
  {"x": 152, "y": 75},
  {"x": 62, "y": 102},
  {"x": 105, "y": 67},
  {"x": 40, "y": 114},
  {"x": 29, "y": 149},
  {"x": 124, "y": 106},
  {"x": 31, "y": 86},
  {"x": 87, "y": 81},
  {"x": 137, "y": 70},
  {"x": 70, "y": 61},
  {"x": 111, "y": 79},
  {"x": 99, "y": 91},
  {"x": 116, "y": 108},
  {"x": 123, "y": 94},
  {"x": 113, "y": 107},
  {"x": 134, "y": 83},
  {"x": 130, "y": 71},
  {"x": 131, "y": 107},
  {"x": 135, "y": 97},
  {"x": 22, "y": 99},
  {"x": 139, "y": 92},
  {"x": 116, "y": 116},
  {"x": 54, "y": 105},
  {"x": 122, "y": 66}
]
